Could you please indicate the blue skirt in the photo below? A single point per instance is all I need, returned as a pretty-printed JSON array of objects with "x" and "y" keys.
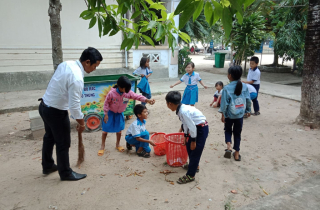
[
  {"x": 190, "y": 95},
  {"x": 144, "y": 86},
  {"x": 115, "y": 123}
]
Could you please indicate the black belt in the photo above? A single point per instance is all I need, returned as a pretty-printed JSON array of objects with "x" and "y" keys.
[{"x": 42, "y": 103}]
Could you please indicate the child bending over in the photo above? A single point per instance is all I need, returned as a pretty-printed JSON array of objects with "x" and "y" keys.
[{"x": 217, "y": 95}]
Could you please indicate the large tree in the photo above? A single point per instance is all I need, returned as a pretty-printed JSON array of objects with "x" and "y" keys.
[{"x": 310, "y": 89}]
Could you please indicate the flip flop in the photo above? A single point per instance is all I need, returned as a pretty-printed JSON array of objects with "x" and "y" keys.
[
  {"x": 120, "y": 149},
  {"x": 228, "y": 153},
  {"x": 100, "y": 152},
  {"x": 239, "y": 159}
]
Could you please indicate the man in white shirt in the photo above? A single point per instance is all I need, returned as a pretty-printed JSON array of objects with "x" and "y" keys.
[
  {"x": 64, "y": 93},
  {"x": 253, "y": 79}
]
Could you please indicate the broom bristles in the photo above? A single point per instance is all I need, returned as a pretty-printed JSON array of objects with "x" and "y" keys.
[{"x": 81, "y": 151}]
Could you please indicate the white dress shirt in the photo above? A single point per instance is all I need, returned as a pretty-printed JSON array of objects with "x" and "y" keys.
[
  {"x": 195, "y": 78},
  {"x": 190, "y": 118},
  {"x": 65, "y": 88}
]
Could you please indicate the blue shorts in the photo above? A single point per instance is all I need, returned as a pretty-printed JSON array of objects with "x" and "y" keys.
[{"x": 133, "y": 141}]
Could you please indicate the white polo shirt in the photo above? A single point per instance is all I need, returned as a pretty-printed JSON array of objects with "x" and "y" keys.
[
  {"x": 251, "y": 89},
  {"x": 254, "y": 75}
]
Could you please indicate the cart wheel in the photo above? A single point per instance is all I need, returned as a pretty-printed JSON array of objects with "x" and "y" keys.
[
  {"x": 129, "y": 117},
  {"x": 93, "y": 122}
]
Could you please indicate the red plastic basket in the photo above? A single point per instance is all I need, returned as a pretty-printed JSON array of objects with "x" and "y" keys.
[
  {"x": 160, "y": 141},
  {"x": 177, "y": 154}
]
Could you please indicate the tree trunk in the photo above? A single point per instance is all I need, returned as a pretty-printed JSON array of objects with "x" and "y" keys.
[
  {"x": 310, "y": 89},
  {"x": 294, "y": 65},
  {"x": 275, "y": 58},
  {"x": 54, "y": 12},
  {"x": 231, "y": 55}
]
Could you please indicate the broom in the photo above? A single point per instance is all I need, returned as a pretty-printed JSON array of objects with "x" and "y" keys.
[{"x": 80, "y": 150}]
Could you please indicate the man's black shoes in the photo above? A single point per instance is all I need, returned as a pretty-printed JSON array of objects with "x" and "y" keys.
[
  {"x": 51, "y": 170},
  {"x": 73, "y": 177}
]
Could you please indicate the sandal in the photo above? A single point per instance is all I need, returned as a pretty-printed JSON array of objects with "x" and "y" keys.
[
  {"x": 185, "y": 179},
  {"x": 256, "y": 113},
  {"x": 227, "y": 154},
  {"x": 129, "y": 147},
  {"x": 100, "y": 152},
  {"x": 120, "y": 149},
  {"x": 186, "y": 167},
  {"x": 143, "y": 154},
  {"x": 239, "y": 159}
]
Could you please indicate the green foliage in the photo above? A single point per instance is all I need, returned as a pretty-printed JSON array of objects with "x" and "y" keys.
[
  {"x": 151, "y": 28},
  {"x": 200, "y": 29},
  {"x": 183, "y": 59},
  {"x": 246, "y": 38},
  {"x": 223, "y": 10},
  {"x": 290, "y": 39}
]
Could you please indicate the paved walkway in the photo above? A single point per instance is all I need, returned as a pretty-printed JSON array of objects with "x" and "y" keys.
[{"x": 28, "y": 100}]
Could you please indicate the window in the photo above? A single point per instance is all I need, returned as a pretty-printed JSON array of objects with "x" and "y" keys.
[{"x": 154, "y": 58}]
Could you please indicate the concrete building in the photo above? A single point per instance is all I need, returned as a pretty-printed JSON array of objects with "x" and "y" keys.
[{"x": 25, "y": 45}]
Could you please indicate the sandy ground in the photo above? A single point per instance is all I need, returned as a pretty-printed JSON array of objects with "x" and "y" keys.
[{"x": 276, "y": 153}]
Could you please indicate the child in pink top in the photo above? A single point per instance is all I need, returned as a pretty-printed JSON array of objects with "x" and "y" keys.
[{"x": 115, "y": 104}]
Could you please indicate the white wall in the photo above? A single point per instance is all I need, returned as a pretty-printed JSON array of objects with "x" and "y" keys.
[{"x": 25, "y": 24}]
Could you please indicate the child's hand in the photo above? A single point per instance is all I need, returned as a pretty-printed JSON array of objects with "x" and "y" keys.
[
  {"x": 142, "y": 75},
  {"x": 171, "y": 86},
  {"x": 185, "y": 141},
  {"x": 193, "y": 145},
  {"x": 205, "y": 87},
  {"x": 248, "y": 114},
  {"x": 223, "y": 119},
  {"x": 151, "y": 101},
  {"x": 105, "y": 119},
  {"x": 152, "y": 143},
  {"x": 211, "y": 104}
]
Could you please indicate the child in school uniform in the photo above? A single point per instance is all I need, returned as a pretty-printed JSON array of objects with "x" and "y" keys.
[
  {"x": 137, "y": 135},
  {"x": 253, "y": 79},
  {"x": 253, "y": 95},
  {"x": 115, "y": 104},
  {"x": 195, "y": 129},
  {"x": 191, "y": 79},
  {"x": 145, "y": 72},
  {"x": 235, "y": 102},
  {"x": 217, "y": 95}
]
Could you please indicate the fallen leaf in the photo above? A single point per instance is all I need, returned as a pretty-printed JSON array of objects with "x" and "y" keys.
[
  {"x": 172, "y": 183},
  {"x": 234, "y": 191},
  {"x": 199, "y": 188},
  {"x": 265, "y": 192}
]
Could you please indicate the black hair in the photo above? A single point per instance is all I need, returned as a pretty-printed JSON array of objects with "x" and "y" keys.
[
  {"x": 255, "y": 59},
  {"x": 219, "y": 83},
  {"x": 123, "y": 82},
  {"x": 91, "y": 54},
  {"x": 173, "y": 97},
  {"x": 138, "y": 109},
  {"x": 143, "y": 62},
  {"x": 236, "y": 73},
  {"x": 191, "y": 63}
]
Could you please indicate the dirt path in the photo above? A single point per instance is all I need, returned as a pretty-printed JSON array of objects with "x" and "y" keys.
[{"x": 275, "y": 154}]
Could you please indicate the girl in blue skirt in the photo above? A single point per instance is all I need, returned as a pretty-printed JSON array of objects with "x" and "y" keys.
[
  {"x": 191, "y": 78},
  {"x": 145, "y": 72}
]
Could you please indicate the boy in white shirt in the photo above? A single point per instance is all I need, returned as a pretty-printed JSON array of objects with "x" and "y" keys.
[
  {"x": 195, "y": 129},
  {"x": 137, "y": 135},
  {"x": 253, "y": 79}
]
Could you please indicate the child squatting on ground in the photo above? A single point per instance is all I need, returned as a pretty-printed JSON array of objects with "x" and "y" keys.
[
  {"x": 115, "y": 104},
  {"x": 235, "y": 102},
  {"x": 145, "y": 72},
  {"x": 217, "y": 95},
  {"x": 195, "y": 129},
  {"x": 191, "y": 78},
  {"x": 253, "y": 79},
  {"x": 137, "y": 135}
]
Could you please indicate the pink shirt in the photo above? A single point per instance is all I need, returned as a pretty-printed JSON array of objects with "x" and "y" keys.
[{"x": 118, "y": 103}]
